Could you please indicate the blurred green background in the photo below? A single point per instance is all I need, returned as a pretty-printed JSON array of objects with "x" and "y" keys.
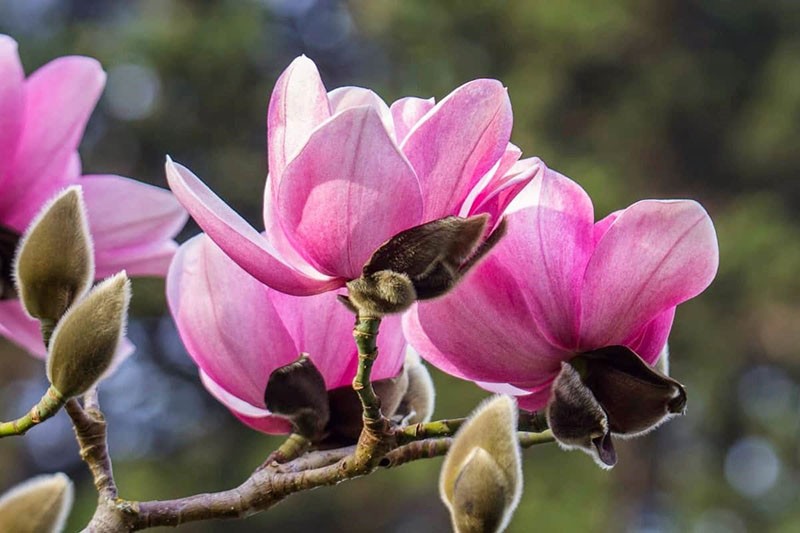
[{"x": 633, "y": 99}]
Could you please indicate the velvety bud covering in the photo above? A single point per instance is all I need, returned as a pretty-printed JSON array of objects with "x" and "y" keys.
[
  {"x": 481, "y": 479},
  {"x": 420, "y": 396},
  {"x": 420, "y": 263},
  {"x": 38, "y": 505},
  {"x": 297, "y": 391},
  {"x": 86, "y": 339},
  {"x": 54, "y": 265}
]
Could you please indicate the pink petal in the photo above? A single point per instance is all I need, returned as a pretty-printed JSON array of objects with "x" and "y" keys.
[
  {"x": 12, "y": 102},
  {"x": 457, "y": 143},
  {"x": 257, "y": 418},
  {"x": 346, "y": 97},
  {"x": 132, "y": 224},
  {"x": 532, "y": 399},
  {"x": 273, "y": 231},
  {"x": 226, "y": 320},
  {"x": 17, "y": 326},
  {"x": 490, "y": 179},
  {"x": 238, "y": 239},
  {"x": 151, "y": 260},
  {"x": 547, "y": 247},
  {"x": 406, "y": 112},
  {"x": 299, "y": 104},
  {"x": 60, "y": 96},
  {"x": 323, "y": 328},
  {"x": 501, "y": 388},
  {"x": 507, "y": 188},
  {"x": 649, "y": 343},
  {"x": 348, "y": 191},
  {"x": 538, "y": 397},
  {"x": 656, "y": 255},
  {"x": 483, "y": 330},
  {"x": 602, "y": 226}
]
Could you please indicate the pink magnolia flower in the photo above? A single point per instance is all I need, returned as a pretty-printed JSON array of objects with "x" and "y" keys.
[
  {"x": 239, "y": 331},
  {"x": 347, "y": 172},
  {"x": 559, "y": 285},
  {"x": 42, "y": 118}
]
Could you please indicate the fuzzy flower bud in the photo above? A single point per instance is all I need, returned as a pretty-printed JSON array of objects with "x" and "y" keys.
[
  {"x": 481, "y": 479},
  {"x": 420, "y": 396},
  {"x": 54, "y": 265},
  {"x": 421, "y": 263},
  {"x": 86, "y": 338},
  {"x": 38, "y": 505}
]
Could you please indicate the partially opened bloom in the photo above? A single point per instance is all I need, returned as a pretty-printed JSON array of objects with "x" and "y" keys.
[
  {"x": 42, "y": 119},
  {"x": 347, "y": 172},
  {"x": 560, "y": 285},
  {"x": 240, "y": 331}
]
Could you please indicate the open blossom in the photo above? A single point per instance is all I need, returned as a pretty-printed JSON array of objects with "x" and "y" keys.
[
  {"x": 347, "y": 172},
  {"x": 560, "y": 285},
  {"x": 42, "y": 119},
  {"x": 239, "y": 331}
]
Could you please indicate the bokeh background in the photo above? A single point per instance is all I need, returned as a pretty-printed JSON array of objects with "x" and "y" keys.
[{"x": 633, "y": 99}]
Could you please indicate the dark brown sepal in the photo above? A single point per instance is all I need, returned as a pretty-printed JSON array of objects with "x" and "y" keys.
[
  {"x": 297, "y": 391},
  {"x": 421, "y": 263},
  {"x": 9, "y": 239},
  {"x": 346, "y": 411},
  {"x": 635, "y": 396},
  {"x": 577, "y": 419}
]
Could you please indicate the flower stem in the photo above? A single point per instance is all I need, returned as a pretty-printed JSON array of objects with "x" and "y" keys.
[
  {"x": 365, "y": 334},
  {"x": 48, "y": 406}
]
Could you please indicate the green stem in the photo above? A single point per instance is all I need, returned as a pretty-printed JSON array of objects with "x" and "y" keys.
[
  {"x": 528, "y": 422},
  {"x": 423, "y": 430},
  {"x": 48, "y": 406},
  {"x": 528, "y": 439},
  {"x": 292, "y": 448},
  {"x": 365, "y": 334},
  {"x": 376, "y": 437}
]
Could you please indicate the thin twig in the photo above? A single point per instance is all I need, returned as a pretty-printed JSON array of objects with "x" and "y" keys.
[
  {"x": 49, "y": 405},
  {"x": 90, "y": 432}
]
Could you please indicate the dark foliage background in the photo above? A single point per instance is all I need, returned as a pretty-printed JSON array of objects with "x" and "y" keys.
[{"x": 633, "y": 99}]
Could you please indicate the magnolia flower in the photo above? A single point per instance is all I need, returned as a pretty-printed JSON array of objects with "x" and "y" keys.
[
  {"x": 240, "y": 331},
  {"x": 560, "y": 286},
  {"x": 42, "y": 118},
  {"x": 347, "y": 172}
]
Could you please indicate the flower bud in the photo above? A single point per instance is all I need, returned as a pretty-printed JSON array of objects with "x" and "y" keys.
[
  {"x": 38, "y": 505},
  {"x": 481, "y": 479},
  {"x": 421, "y": 263},
  {"x": 85, "y": 341},
  {"x": 54, "y": 265},
  {"x": 418, "y": 402}
]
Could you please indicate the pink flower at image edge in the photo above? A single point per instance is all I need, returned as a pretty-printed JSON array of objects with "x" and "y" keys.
[{"x": 42, "y": 119}]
